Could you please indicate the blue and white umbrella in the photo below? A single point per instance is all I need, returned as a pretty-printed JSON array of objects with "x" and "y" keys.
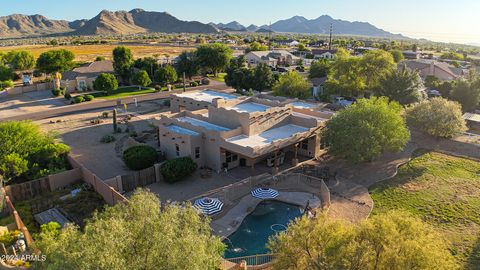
[
  {"x": 208, "y": 206},
  {"x": 264, "y": 193}
]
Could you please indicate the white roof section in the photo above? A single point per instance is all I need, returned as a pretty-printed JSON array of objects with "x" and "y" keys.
[
  {"x": 201, "y": 123},
  {"x": 207, "y": 95},
  {"x": 474, "y": 117},
  {"x": 267, "y": 137},
  {"x": 307, "y": 116},
  {"x": 303, "y": 105},
  {"x": 182, "y": 130},
  {"x": 250, "y": 107}
]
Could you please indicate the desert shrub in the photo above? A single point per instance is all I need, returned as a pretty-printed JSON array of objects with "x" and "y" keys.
[
  {"x": 176, "y": 169},
  {"x": 78, "y": 99},
  {"x": 67, "y": 96},
  {"x": 88, "y": 97},
  {"x": 139, "y": 157},
  {"x": 56, "y": 92},
  {"x": 158, "y": 88},
  {"x": 205, "y": 81},
  {"x": 194, "y": 84},
  {"x": 107, "y": 139},
  {"x": 9, "y": 238}
]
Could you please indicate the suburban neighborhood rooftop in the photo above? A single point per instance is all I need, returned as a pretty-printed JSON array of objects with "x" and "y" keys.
[
  {"x": 207, "y": 95},
  {"x": 268, "y": 136},
  {"x": 182, "y": 130},
  {"x": 201, "y": 123},
  {"x": 250, "y": 107}
]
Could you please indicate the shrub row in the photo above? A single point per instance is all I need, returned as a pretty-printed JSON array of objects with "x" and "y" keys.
[{"x": 175, "y": 170}]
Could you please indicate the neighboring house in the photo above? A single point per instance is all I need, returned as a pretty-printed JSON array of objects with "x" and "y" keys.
[
  {"x": 288, "y": 42},
  {"x": 240, "y": 131},
  {"x": 441, "y": 70},
  {"x": 272, "y": 58},
  {"x": 324, "y": 54},
  {"x": 81, "y": 78},
  {"x": 411, "y": 55},
  {"x": 318, "y": 86}
]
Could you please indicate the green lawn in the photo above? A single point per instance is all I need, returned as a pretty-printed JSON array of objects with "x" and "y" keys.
[
  {"x": 126, "y": 92},
  {"x": 445, "y": 192},
  {"x": 220, "y": 77}
]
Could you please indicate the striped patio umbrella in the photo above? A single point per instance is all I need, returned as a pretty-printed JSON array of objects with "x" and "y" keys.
[
  {"x": 208, "y": 206},
  {"x": 264, "y": 193}
]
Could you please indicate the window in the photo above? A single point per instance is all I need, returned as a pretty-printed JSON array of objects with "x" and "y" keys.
[
  {"x": 230, "y": 157},
  {"x": 197, "y": 152},
  {"x": 304, "y": 144},
  {"x": 177, "y": 150}
]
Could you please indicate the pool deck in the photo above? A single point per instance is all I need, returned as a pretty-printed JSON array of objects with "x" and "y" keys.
[{"x": 229, "y": 223}]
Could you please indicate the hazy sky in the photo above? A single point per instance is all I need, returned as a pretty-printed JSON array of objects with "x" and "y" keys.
[{"x": 439, "y": 20}]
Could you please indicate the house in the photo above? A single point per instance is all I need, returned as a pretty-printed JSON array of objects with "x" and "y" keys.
[
  {"x": 324, "y": 54},
  {"x": 318, "y": 86},
  {"x": 426, "y": 67},
  {"x": 272, "y": 58},
  {"x": 242, "y": 131},
  {"x": 411, "y": 55},
  {"x": 82, "y": 78},
  {"x": 287, "y": 42}
]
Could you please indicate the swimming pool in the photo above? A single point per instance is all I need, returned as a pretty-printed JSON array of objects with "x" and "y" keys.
[{"x": 268, "y": 218}]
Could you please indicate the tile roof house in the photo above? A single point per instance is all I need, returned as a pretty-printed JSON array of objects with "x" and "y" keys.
[
  {"x": 81, "y": 78},
  {"x": 272, "y": 58},
  {"x": 441, "y": 70},
  {"x": 324, "y": 54}
]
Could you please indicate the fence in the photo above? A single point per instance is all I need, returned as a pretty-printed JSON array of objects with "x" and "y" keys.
[
  {"x": 259, "y": 261},
  {"x": 16, "y": 217},
  {"x": 30, "y": 189},
  {"x": 18, "y": 90},
  {"x": 109, "y": 194},
  {"x": 139, "y": 179}
]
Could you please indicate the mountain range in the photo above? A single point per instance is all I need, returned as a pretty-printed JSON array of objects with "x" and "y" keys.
[{"x": 140, "y": 21}]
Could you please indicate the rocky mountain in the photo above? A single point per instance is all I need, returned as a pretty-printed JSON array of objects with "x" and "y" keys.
[
  {"x": 18, "y": 25},
  {"x": 321, "y": 25},
  {"x": 106, "y": 22},
  {"x": 231, "y": 26},
  {"x": 252, "y": 28}
]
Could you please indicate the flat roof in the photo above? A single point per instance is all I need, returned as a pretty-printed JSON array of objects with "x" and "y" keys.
[
  {"x": 182, "y": 130},
  {"x": 474, "y": 117},
  {"x": 250, "y": 107},
  {"x": 302, "y": 105},
  {"x": 207, "y": 95},
  {"x": 267, "y": 137},
  {"x": 303, "y": 115},
  {"x": 201, "y": 123}
]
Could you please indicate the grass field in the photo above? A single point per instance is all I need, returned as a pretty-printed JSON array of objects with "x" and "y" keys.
[
  {"x": 445, "y": 192},
  {"x": 90, "y": 52},
  {"x": 220, "y": 77},
  {"x": 126, "y": 92}
]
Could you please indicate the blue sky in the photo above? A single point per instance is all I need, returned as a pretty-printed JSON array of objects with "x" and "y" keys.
[{"x": 440, "y": 20}]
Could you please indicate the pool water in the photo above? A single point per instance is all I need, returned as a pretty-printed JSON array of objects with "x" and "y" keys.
[{"x": 268, "y": 218}]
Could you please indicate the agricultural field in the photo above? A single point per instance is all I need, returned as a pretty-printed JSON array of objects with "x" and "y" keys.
[
  {"x": 445, "y": 192},
  {"x": 88, "y": 53}
]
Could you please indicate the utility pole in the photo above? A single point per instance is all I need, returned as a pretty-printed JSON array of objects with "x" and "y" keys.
[
  {"x": 330, "y": 41},
  {"x": 184, "y": 87},
  {"x": 270, "y": 36}
]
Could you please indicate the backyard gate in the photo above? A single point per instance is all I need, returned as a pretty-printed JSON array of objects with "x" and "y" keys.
[{"x": 141, "y": 178}]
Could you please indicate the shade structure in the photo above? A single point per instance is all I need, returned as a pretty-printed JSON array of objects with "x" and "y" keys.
[
  {"x": 208, "y": 206},
  {"x": 264, "y": 193}
]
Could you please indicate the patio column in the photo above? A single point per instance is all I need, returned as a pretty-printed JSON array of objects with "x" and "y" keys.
[
  {"x": 295, "y": 155},
  {"x": 275, "y": 166}
]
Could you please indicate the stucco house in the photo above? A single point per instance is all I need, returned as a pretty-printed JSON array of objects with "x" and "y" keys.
[
  {"x": 272, "y": 58},
  {"x": 324, "y": 54},
  {"x": 240, "y": 131},
  {"x": 425, "y": 67},
  {"x": 81, "y": 78}
]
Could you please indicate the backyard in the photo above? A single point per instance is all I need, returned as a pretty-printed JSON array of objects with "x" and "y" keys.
[
  {"x": 444, "y": 191},
  {"x": 125, "y": 92}
]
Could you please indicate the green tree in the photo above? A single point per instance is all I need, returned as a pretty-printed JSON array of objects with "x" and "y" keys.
[
  {"x": 105, "y": 82},
  {"x": 291, "y": 84},
  {"x": 141, "y": 78},
  {"x": 187, "y": 63},
  {"x": 438, "y": 117},
  {"x": 149, "y": 64},
  {"x": 24, "y": 144},
  {"x": 99, "y": 58},
  {"x": 397, "y": 56},
  {"x": 432, "y": 82},
  {"x": 263, "y": 78},
  {"x": 345, "y": 77},
  {"x": 256, "y": 46},
  {"x": 367, "y": 129},
  {"x": 403, "y": 86},
  {"x": 452, "y": 56},
  {"x": 166, "y": 75},
  {"x": 319, "y": 69},
  {"x": 375, "y": 66},
  {"x": 467, "y": 93},
  {"x": 55, "y": 61},
  {"x": 393, "y": 240},
  {"x": 213, "y": 57},
  {"x": 123, "y": 63},
  {"x": 5, "y": 73},
  {"x": 6, "y": 84},
  {"x": 21, "y": 60},
  {"x": 140, "y": 234}
]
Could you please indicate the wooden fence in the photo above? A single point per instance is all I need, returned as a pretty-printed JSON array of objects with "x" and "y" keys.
[
  {"x": 16, "y": 217},
  {"x": 139, "y": 179}
]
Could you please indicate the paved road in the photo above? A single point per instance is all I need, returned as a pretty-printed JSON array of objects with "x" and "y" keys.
[{"x": 104, "y": 104}]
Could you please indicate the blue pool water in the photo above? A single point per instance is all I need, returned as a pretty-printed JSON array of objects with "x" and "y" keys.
[{"x": 268, "y": 218}]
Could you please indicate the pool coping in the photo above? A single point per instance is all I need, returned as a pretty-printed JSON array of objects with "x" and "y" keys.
[{"x": 231, "y": 221}]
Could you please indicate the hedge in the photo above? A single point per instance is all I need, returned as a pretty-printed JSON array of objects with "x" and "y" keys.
[
  {"x": 175, "y": 170},
  {"x": 140, "y": 157}
]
